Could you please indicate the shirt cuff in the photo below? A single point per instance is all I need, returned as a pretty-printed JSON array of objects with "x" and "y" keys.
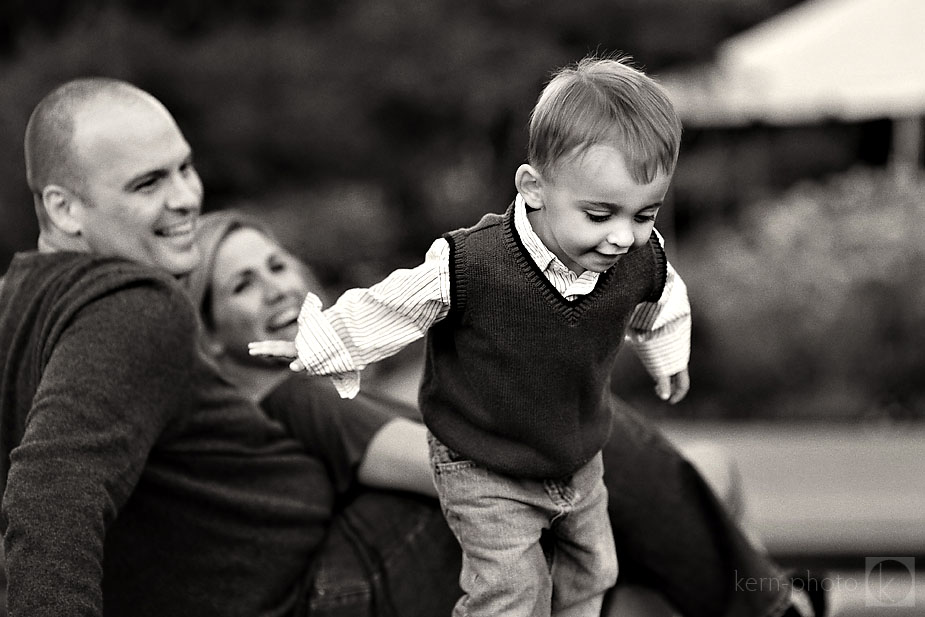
[
  {"x": 667, "y": 354},
  {"x": 347, "y": 384},
  {"x": 321, "y": 350}
]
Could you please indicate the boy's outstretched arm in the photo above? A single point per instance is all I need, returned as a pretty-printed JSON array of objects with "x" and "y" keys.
[
  {"x": 367, "y": 325},
  {"x": 318, "y": 349}
]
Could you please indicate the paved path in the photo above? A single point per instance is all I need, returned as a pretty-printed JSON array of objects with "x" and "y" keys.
[
  {"x": 835, "y": 490},
  {"x": 835, "y": 494}
]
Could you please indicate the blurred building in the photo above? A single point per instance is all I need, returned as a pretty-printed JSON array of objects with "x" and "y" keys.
[{"x": 818, "y": 88}]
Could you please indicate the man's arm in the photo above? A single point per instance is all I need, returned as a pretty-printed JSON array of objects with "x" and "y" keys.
[{"x": 116, "y": 375}]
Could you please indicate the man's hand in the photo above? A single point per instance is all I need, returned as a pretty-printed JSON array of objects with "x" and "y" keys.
[
  {"x": 277, "y": 349},
  {"x": 674, "y": 388}
]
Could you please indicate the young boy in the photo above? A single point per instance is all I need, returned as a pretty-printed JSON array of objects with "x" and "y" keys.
[{"x": 524, "y": 315}]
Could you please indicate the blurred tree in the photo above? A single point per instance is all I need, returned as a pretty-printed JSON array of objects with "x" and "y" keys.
[
  {"x": 426, "y": 99},
  {"x": 811, "y": 305}
]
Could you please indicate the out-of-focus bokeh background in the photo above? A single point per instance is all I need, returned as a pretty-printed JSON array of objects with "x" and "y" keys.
[{"x": 362, "y": 129}]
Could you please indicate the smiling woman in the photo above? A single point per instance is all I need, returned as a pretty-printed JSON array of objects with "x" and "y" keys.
[{"x": 256, "y": 286}]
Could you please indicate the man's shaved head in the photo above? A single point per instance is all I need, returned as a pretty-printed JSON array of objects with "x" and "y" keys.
[
  {"x": 112, "y": 174},
  {"x": 51, "y": 155}
]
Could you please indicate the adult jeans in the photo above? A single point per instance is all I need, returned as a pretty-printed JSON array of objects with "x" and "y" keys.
[{"x": 387, "y": 554}]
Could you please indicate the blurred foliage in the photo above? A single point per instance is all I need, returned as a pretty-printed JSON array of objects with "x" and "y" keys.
[
  {"x": 811, "y": 305},
  {"x": 362, "y": 130},
  {"x": 415, "y": 103}
]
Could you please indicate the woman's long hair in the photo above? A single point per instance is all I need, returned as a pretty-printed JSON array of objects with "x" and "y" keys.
[{"x": 211, "y": 231}]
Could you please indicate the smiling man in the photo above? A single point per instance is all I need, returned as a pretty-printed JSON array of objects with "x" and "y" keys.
[
  {"x": 116, "y": 439},
  {"x": 89, "y": 180},
  {"x": 96, "y": 352}
]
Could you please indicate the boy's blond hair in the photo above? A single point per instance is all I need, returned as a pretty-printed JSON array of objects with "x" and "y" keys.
[{"x": 604, "y": 100}]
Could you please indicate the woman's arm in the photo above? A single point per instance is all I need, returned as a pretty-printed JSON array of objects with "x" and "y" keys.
[
  {"x": 373, "y": 439},
  {"x": 397, "y": 458}
]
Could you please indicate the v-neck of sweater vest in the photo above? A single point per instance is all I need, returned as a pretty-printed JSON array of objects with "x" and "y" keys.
[{"x": 570, "y": 309}]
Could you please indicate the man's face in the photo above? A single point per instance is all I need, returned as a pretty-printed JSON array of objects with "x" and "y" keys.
[
  {"x": 140, "y": 195},
  {"x": 592, "y": 211}
]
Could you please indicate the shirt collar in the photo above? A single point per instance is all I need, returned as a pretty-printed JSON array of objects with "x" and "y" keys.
[
  {"x": 535, "y": 247},
  {"x": 544, "y": 258}
]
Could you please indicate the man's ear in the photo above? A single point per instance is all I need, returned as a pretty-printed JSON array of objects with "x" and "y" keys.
[
  {"x": 62, "y": 207},
  {"x": 529, "y": 184}
]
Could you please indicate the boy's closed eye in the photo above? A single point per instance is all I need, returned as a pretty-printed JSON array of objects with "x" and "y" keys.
[{"x": 598, "y": 217}]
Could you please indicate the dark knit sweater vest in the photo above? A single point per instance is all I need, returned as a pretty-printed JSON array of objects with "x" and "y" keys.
[{"x": 517, "y": 378}]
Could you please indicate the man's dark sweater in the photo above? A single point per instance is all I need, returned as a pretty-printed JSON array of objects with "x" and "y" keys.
[
  {"x": 517, "y": 377},
  {"x": 132, "y": 474}
]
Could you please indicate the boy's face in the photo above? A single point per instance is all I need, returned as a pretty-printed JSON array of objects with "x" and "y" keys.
[{"x": 592, "y": 211}]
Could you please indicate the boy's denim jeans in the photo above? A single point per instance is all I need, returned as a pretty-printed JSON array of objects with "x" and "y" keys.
[{"x": 499, "y": 521}]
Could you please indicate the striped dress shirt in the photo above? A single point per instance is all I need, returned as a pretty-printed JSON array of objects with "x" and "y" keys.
[{"x": 368, "y": 325}]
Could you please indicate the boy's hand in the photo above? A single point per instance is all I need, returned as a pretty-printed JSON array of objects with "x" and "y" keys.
[
  {"x": 277, "y": 349},
  {"x": 674, "y": 388}
]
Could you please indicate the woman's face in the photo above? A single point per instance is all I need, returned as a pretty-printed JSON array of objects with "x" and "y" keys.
[{"x": 257, "y": 291}]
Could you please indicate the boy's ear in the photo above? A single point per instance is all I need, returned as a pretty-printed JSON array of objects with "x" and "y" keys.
[
  {"x": 61, "y": 206},
  {"x": 529, "y": 184}
]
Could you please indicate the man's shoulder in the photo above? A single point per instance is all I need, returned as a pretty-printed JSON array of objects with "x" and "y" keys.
[
  {"x": 122, "y": 268},
  {"x": 80, "y": 264},
  {"x": 75, "y": 279},
  {"x": 145, "y": 288}
]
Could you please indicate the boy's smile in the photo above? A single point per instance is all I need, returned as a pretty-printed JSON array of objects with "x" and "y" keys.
[{"x": 591, "y": 210}]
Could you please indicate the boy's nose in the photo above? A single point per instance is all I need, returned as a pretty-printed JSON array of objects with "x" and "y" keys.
[{"x": 621, "y": 235}]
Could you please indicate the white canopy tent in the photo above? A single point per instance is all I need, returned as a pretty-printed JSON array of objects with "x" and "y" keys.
[{"x": 848, "y": 60}]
